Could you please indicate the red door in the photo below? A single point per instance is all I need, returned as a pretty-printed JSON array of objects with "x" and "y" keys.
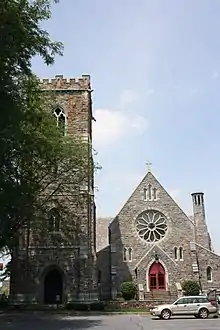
[{"x": 157, "y": 277}]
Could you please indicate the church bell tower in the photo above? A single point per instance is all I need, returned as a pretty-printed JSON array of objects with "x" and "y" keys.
[
  {"x": 201, "y": 230},
  {"x": 58, "y": 266}
]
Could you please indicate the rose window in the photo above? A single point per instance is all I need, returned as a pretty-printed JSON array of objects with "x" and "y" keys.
[{"x": 151, "y": 226}]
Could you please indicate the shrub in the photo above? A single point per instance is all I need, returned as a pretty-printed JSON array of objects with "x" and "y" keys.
[
  {"x": 191, "y": 288},
  {"x": 128, "y": 290}
]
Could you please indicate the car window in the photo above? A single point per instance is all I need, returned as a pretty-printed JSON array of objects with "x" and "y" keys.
[
  {"x": 192, "y": 300},
  {"x": 203, "y": 300},
  {"x": 181, "y": 301}
]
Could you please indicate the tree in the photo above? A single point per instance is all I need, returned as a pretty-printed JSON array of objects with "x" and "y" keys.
[
  {"x": 21, "y": 39},
  {"x": 36, "y": 161}
]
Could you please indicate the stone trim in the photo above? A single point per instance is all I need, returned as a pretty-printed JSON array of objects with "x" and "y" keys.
[
  {"x": 195, "y": 268},
  {"x": 175, "y": 263},
  {"x": 144, "y": 256},
  {"x": 192, "y": 246},
  {"x": 202, "y": 247},
  {"x": 167, "y": 255},
  {"x": 147, "y": 274}
]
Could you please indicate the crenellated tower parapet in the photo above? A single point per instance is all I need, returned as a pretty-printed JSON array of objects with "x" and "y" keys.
[
  {"x": 61, "y": 83},
  {"x": 72, "y": 97}
]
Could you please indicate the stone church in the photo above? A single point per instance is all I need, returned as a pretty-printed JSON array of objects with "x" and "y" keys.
[{"x": 151, "y": 240}]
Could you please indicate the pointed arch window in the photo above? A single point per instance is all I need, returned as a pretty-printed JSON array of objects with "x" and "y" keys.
[
  {"x": 209, "y": 274},
  {"x": 125, "y": 251},
  {"x": 60, "y": 119},
  {"x": 181, "y": 253},
  {"x": 54, "y": 220},
  {"x": 155, "y": 194},
  {"x": 130, "y": 254},
  {"x": 176, "y": 253},
  {"x": 150, "y": 192}
]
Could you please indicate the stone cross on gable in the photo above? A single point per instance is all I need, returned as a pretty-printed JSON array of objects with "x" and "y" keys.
[{"x": 148, "y": 163}]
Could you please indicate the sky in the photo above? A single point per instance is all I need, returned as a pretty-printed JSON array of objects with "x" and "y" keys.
[{"x": 155, "y": 71}]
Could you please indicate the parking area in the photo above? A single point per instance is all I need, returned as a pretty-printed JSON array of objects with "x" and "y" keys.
[{"x": 47, "y": 321}]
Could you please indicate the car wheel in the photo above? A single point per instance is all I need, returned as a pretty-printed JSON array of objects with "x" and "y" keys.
[
  {"x": 203, "y": 313},
  {"x": 165, "y": 314}
]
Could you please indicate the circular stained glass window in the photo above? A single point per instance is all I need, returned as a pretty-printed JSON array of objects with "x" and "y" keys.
[{"x": 151, "y": 226}]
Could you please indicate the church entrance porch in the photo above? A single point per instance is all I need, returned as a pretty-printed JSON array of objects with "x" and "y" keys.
[
  {"x": 53, "y": 287},
  {"x": 157, "y": 277}
]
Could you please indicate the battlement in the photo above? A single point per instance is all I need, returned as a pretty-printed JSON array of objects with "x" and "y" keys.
[{"x": 60, "y": 83}]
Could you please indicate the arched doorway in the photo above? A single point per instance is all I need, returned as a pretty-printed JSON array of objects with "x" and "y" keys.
[
  {"x": 157, "y": 277},
  {"x": 53, "y": 287}
]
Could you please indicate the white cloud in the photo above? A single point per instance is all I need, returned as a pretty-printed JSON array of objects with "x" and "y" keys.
[
  {"x": 215, "y": 75},
  {"x": 110, "y": 126},
  {"x": 128, "y": 97}
]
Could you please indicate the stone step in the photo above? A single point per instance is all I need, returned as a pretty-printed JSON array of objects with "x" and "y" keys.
[{"x": 160, "y": 297}]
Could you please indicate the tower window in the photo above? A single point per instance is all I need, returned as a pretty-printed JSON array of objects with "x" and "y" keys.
[
  {"x": 54, "y": 220},
  {"x": 181, "y": 253},
  {"x": 195, "y": 200},
  {"x": 209, "y": 274},
  {"x": 175, "y": 253},
  {"x": 202, "y": 200},
  {"x": 60, "y": 120}
]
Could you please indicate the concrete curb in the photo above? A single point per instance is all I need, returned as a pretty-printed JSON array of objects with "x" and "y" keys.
[{"x": 70, "y": 313}]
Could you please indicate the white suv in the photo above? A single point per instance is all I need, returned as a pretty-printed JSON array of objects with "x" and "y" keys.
[{"x": 199, "y": 306}]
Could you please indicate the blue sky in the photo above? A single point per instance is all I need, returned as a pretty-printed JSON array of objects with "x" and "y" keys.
[{"x": 155, "y": 68}]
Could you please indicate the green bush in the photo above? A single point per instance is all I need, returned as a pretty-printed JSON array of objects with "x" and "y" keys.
[
  {"x": 128, "y": 290},
  {"x": 191, "y": 288}
]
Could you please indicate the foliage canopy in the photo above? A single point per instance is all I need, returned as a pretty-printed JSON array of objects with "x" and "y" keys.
[{"x": 37, "y": 163}]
